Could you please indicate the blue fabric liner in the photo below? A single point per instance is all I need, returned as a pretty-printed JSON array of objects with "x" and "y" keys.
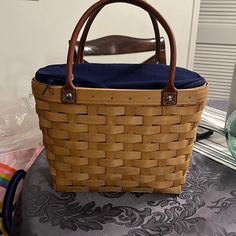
[{"x": 121, "y": 76}]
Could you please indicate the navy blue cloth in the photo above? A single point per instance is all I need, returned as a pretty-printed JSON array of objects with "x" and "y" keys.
[{"x": 122, "y": 76}]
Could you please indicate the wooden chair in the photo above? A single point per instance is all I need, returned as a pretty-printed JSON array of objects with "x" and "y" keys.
[{"x": 118, "y": 44}]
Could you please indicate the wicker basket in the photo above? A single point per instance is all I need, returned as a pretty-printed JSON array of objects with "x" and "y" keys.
[{"x": 114, "y": 140}]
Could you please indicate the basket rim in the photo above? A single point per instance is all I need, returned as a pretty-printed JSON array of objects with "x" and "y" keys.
[{"x": 110, "y": 96}]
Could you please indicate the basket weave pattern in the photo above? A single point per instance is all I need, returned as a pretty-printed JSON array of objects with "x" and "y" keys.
[
  {"x": 114, "y": 140},
  {"x": 94, "y": 147}
]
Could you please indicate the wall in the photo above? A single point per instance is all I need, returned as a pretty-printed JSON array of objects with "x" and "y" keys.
[{"x": 35, "y": 33}]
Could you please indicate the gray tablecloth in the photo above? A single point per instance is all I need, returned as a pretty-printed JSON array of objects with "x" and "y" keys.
[{"x": 207, "y": 207}]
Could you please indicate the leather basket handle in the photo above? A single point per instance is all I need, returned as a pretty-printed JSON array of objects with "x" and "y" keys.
[
  {"x": 169, "y": 93},
  {"x": 90, "y": 22}
]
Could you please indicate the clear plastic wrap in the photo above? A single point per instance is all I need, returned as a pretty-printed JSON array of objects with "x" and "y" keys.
[{"x": 19, "y": 126}]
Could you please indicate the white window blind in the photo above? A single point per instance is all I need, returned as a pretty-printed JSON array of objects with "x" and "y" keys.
[
  {"x": 215, "y": 53},
  {"x": 221, "y": 12}
]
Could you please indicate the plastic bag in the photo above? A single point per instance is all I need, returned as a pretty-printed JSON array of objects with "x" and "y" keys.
[{"x": 19, "y": 126}]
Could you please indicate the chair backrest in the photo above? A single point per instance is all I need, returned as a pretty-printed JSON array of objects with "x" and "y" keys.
[{"x": 119, "y": 44}]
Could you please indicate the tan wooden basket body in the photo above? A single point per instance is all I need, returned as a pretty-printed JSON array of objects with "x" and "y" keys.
[
  {"x": 118, "y": 140},
  {"x": 114, "y": 140}
]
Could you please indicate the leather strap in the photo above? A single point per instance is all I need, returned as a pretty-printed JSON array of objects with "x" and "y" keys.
[
  {"x": 91, "y": 20},
  {"x": 169, "y": 94}
]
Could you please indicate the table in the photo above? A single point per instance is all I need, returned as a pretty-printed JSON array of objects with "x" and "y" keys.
[{"x": 207, "y": 206}]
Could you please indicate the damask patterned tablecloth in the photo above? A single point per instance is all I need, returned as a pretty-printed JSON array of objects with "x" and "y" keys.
[{"x": 206, "y": 206}]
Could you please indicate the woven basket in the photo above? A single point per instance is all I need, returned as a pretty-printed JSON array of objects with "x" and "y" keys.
[{"x": 114, "y": 140}]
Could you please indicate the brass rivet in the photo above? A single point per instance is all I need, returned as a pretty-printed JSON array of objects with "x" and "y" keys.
[
  {"x": 69, "y": 96},
  {"x": 169, "y": 98}
]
